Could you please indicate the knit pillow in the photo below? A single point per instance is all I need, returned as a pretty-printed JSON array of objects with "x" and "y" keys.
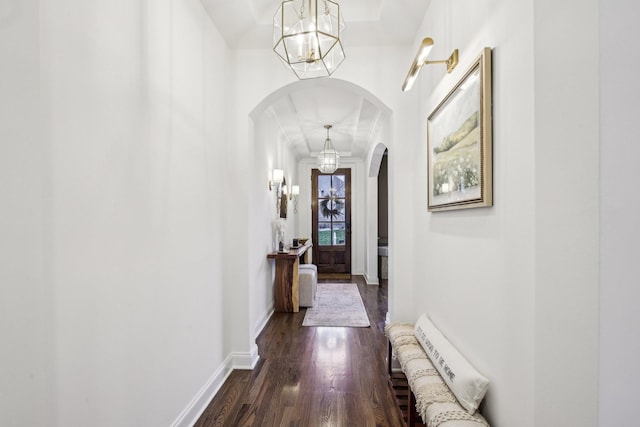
[{"x": 465, "y": 382}]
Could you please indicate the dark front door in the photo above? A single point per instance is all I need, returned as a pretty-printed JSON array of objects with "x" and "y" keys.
[{"x": 331, "y": 216}]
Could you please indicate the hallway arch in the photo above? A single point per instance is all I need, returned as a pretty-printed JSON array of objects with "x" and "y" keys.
[
  {"x": 320, "y": 83},
  {"x": 261, "y": 122}
]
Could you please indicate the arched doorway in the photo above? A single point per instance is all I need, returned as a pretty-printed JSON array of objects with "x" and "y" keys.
[{"x": 273, "y": 144}]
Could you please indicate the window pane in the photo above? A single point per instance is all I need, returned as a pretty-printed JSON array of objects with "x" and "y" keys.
[
  {"x": 331, "y": 209},
  {"x": 324, "y": 233},
  {"x": 324, "y": 186},
  {"x": 339, "y": 187},
  {"x": 339, "y": 233}
]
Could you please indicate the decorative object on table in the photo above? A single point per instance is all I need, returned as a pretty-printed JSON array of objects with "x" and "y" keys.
[
  {"x": 280, "y": 228},
  {"x": 459, "y": 143},
  {"x": 328, "y": 158},
  {"x": 337, "y": 304},
  {"x": 295, "y": 243},
  {"x": 306, "y": 37},
  {"x": 421, "y": 59}
]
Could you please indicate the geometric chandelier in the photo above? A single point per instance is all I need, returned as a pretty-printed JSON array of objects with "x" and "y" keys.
[
  {"x": 328, "y": 158},
  {"x": 306, "y": 36}
]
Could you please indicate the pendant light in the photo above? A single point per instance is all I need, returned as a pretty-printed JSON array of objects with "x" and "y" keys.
[
  {"x": 328, "y": 158},
  {"x": 306, "y": 36}
]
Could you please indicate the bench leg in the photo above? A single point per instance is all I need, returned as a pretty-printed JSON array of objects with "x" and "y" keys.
[
  {"x": 412, "y": 414},
  {"x": 389, "y": 357}
]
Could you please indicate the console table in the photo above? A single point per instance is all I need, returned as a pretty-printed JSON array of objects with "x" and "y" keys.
[{"x": 286, "y": 282}]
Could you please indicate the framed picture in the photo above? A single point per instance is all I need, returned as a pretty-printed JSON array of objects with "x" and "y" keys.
[{"x": 459, "y": 148}]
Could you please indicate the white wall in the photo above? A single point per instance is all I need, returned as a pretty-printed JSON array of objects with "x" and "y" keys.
[
  {"x": 114, "y": 228},
  {"x": 566, "y": 212},
  {"x": 620, "y": 204},
  {"x": 26, "y": 314}
]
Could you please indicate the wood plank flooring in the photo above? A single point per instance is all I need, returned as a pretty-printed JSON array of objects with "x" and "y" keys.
[{"x": 313, "y": 376}]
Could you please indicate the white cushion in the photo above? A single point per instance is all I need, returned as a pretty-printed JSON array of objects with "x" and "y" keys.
[
  {"x": 308, "y": 266},
  {"x": 467, "y": 384}
]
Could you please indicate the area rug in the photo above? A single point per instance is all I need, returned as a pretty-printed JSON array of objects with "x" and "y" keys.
[{"x": 337, "y": 304}]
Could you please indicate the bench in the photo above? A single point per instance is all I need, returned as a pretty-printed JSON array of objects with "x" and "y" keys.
[{"x": 429, "y": 393}]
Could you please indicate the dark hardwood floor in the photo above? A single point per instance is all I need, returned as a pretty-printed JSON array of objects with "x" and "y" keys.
[{"x": 313, "y": 376}]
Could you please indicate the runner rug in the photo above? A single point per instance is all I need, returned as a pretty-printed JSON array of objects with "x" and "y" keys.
[{"x": 337, "y": 304}]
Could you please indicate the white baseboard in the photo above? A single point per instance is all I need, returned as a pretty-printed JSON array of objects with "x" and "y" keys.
[
  {"x": 199, "y": 403},
  {"x": 371, "y": 280},
  {"x": 246, "y": 360},
  {"x": 254, "y": 355},
  {"x": 190, "y": 415},
  {"x": 263, "y": 322}
]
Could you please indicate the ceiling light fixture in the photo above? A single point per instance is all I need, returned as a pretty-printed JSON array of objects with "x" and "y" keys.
[
  {"x": 328, "y": 158},
  {"x": 421, "y": 59},
  {"x": 306, "y": 36}
]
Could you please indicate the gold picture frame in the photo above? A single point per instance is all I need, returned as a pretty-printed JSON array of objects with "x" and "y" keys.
[{"x": 459, "y": 143}]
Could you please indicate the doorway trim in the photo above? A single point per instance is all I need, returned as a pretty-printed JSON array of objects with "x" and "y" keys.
[{"x": 337, "y": 253}]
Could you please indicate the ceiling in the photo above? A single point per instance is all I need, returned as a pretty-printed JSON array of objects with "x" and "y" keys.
[
  {"x": 248, "y": 24},
  {"x": 303, "y": 112}
]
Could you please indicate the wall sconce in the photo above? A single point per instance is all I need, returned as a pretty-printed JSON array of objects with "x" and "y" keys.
[
  {"x": 421, "y": 59},
  {"x": 279, "y": 183},
  {"x": 276, "y": 179},
  {"x": 295, "y": 192}
]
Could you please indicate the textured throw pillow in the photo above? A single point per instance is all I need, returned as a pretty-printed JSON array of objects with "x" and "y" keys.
[{"x": 467, "y": 384}]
